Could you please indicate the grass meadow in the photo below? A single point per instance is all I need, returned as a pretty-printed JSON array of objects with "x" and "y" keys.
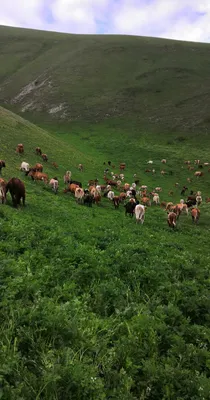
[{"x": 93, "y": 305}]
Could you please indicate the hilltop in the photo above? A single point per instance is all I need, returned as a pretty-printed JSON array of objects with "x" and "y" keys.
[{"x": 163, "y": 84}]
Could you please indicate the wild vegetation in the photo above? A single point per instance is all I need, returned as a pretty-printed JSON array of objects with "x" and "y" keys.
[{"x": 93, "y": 305}]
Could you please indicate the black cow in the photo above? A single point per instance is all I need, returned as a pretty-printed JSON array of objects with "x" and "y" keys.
[
  {"x": 129, "y": 208},
  {"x": 88, "y": 199}
]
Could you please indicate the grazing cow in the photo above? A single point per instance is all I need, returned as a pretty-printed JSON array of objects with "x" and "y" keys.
[
  {"x": 170, "y": 193},
  {"x": 122, "y": 196},
  {"x": 67, "y": 177},
  {"x": 79, "y": 194},
  {"x": 163, "y": 161},
  {"x": 163, "y": 172},
  {"x": 130, "y": 207},
  {"x": 76, "y": 183},
  {"x": 187, "y": 162},
  {"x": 198, "y": 200},
  {"x": 2, "y": 165},
  {"x": 198, "y": 174},
  {"x": 20, "y": 148},
  {"x": 122, "y": 166},
  {"x": 54, "y": 164},
  {"x": 169, "y": 206},
  {"x": 116, "y": 201},
  {"x": 146, "y": 201},
  {"x": 182, "y": 207},
  {"x": 17, "y": 190},
  {"x": 3, "y": 190},
  {"x": 97, "y": 198},
  {"x": 139, "y": 213},
  {"x": 207, "y": 199},
  {"x": 183, "y": 190},
  {"x": 156, "y": 199},
  {"x": 126, "y": 187},
  {"x": 88, "y": 199},
  {"x": 80, "y": 167},
  {"x": 110, "y": 195},
  {"x": 150, "y": 162},
  {"x": 190, "y": 203},
  {"x": 54, "y": 184},
  {"x": 206, "y": 164},
  {"x": 38, "y": 167},
  {"x": 24, "y": 166},
  {"x": 44, "y": 157},
  {"x": 171, "y": 219},
  {"x": 38, "y": 176},
  {"x": 147, "y": 170},
  {"x": 94, "y": 181},
  {"x": 158, "y": 189},
  {"x": 38, "y": 151},
  {"x": 71, "y": 188},
  {"x": 195, "y": 213},
  {"x": 197, "y": 162}
]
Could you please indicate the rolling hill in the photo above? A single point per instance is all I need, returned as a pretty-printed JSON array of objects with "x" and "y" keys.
[
  {"x": 93, "y": 305},
  {"x": 159, "y": 83}
]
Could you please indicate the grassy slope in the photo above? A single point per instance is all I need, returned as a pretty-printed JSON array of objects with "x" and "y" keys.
[
  {"x": 92, "y": 305},
  {"x": 159, "y": 83}
]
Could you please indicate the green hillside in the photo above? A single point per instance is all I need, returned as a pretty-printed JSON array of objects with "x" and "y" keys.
[
  {"x": 92, "y": 305},
  {"x": 161, "y": 83}
]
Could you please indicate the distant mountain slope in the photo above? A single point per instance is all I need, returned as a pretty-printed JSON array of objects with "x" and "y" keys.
[{"x": 95, "y": 77}]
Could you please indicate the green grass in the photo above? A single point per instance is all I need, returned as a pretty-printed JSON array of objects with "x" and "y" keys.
[
  {"x": 159, "y": 83},
  {"x": 94, "y": 306}
]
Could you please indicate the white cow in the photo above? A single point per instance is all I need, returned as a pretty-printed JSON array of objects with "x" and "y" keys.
[
  {"x": 110, "y": 195},
  {"x": 156, "y": 199},
  {"x": 139, "y": 213},
  {"x": 150, "y": 162},
  {"x": 24, "y": 166},
  {"x": 54, "y": 185},
  {"x": 79, "y": 194},
  {"x": 67, "y": 177}
]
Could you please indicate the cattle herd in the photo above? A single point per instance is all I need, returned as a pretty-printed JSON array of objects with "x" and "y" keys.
[{"x": 135, "y": 199}]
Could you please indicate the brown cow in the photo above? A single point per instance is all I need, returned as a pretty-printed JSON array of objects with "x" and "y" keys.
[
  {"x": 38, "y": 167},
  {"x": 17, "y": 190},
  {"x": 54, "y": 164},
  {"x": 97, "y": 198},
  {"x": 195, "y": 213},
  {"x": 146, "y": 201},
  {"x": 2, "y": 165},
  {"x": 116, "y": 201},
  {"x": 38, "y": 176},
  {"x": 20, "y": 148},
  {"x": 44, "y": 157},
  {"x": 198, "y": 174},
  {"x": 71, "y": 188},
  {"x": 172, "y": 217},
  {"x": 122, "y": 166},
  {"x": 38, "y": 151},
  {"x": 3, "y": 190}
]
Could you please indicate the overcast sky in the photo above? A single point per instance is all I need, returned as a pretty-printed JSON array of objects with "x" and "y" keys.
[{"x": 176, "y": 19}]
